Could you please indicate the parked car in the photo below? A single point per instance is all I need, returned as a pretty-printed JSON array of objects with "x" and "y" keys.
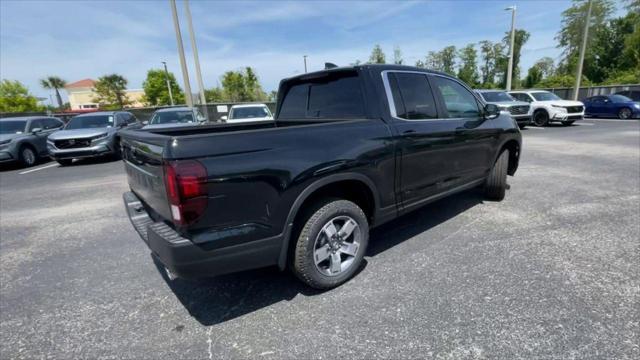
[
  {"x": 350, "y": 149},
  {"x": 631, "y": 94},
  {"x": 548, "y": 107},
  {"x": 90, "y": 135},
  {"x": 175, "y": 117},
  {"x": 24, "y": 139},
  {"x": 247, "y": 113},
  {"x": 519, "y": 110},
  {"x": 612, "y": 106}
]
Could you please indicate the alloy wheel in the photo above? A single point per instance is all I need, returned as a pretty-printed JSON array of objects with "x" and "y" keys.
[
  {"x": 336, "y": 245},
  {"x": 28, "y": 156},
  {"x": 625, "y": 113}
]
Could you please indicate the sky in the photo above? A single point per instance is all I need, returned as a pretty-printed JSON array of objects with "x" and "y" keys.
[{"x": 77, "y": 40}]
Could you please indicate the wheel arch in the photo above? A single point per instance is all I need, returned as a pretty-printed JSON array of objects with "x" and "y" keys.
[{"x": 352, "y": 186}]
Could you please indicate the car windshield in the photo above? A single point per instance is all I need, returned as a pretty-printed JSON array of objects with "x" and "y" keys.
[
  {"x": 497, "y": 96},
  {"x": 12, "y": 126},
  {"x": 619, "y": 98},
  {"x": 249, "y": 112},
  {"x": 90, "y": 122},
  {"x": 545, "y": 96},
  {"x": 172, "y": 117}
]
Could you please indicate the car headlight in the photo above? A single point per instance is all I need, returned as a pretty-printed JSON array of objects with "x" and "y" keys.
[
  {"x": 99, "y": 137},
  {"x": 559, "y": 108},
  {"x": 637, "y": 106}
]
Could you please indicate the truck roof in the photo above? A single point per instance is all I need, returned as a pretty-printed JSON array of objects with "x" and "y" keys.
[{"x": 379, "y": 67}]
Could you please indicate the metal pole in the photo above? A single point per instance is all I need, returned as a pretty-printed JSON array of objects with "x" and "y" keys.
[
  {"x": 511, "y": 46},
  {"x": 203, "y": 100},
  {"x": 585, "y": 34},
  {"x": 183, "y": 63},
  {"x": 305, "y": 63},
  {"x": 166, "y": 76}
]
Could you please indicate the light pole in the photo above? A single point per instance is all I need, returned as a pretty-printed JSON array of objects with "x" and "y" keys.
[
  {"x": 513, "y": 37},
  {"x": 183, "y": 64},
  {"x": 192, "y": 36},
  {"x": 585, "y": 34},
  {"x": 305, "y": 63},
  {"x": 166, "y": 76}
]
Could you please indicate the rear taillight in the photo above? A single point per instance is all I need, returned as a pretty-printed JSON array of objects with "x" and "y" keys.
[{"x": 186, "y": 182}]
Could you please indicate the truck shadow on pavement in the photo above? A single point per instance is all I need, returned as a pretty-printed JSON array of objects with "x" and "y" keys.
[{"x": 216, "y": 300}]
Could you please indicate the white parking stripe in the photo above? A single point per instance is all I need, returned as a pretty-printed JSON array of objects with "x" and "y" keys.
[
  {"x": 40, "y": 168},
  {"x": 584, "y": 123},
  {"x": 608, "y": 120},
  {"x": 534, "y": 128}
]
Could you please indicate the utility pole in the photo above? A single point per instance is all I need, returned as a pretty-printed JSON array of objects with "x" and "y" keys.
[
  {"x": 305, "y": 63},
  {"x": 192, "y": 36},
  {"x": 513, "y": 37},
  {"x": 585, "y": 34},
  {"x": 166, "y": 76},
  {"x": 183, "y": 64}
]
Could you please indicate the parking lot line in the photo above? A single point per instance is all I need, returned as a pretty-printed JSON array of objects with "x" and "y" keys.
[
  {"x": 40, "y": 168},
  {"x": 610, "y": 120},
  {"x": 585, "y": 123},
  {"x": 535, "y": 128}
]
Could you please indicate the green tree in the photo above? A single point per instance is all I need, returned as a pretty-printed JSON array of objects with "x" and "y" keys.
[
  {"x": 520, "y": 38},
  {"x": 377, "y": 56},
  {"x": 534, "y": 76},
  {"x": 397, "y": 56},
  {"x": 155, "y": 88},
  {"x": 443, "y": 60},
  {"x": 214, "y": 95},
  {"x": 570, "y": 35},
  {"x": 54, "y": 83},
  {"x": 546, "y": 66},
  {"x": 561, "y": 80},
  {"x": 468, "y": 71},
  {"x": 110, "y": 91},
  {"x": 15, "y": 97},
  {"x": 273, "y": 95},
  {"x": 253, "y": 87},
  {"x": 238, "y": 86},
  {"x": 491, "y": 54}
]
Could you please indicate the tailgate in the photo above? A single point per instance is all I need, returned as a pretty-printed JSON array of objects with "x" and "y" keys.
[{"x": 143, "y": 163}]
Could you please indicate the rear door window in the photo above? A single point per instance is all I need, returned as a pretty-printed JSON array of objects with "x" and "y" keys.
[
  {"x": 412, "y": 96},
  {"x": 338, "y": 96}
]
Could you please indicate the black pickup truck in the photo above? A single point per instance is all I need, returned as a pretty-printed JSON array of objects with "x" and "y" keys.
[{"x": 349, "y": 149}]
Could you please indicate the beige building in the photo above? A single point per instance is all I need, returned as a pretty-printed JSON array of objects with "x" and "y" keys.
[{"x": 81, "y": 95}]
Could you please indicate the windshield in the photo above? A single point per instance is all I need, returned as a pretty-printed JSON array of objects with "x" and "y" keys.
[
  {"x": 545, "y": 96},
  {"x": 12, "y": 126},
  {"x": 90, "y": 122},
  {"x": 497, "y": 96},
  {"x": 249, "y": 112},
  {"x": 172, "y": 117},
  {"x": 619, "y": 98}
]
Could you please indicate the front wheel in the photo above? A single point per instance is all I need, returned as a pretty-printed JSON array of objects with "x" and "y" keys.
[
  {"x": 27, "y": 156},
  {"x": 624, "y": 113},
  {"x": 495, "y": 186},
  {"x": 541, "y": 118},
  {"x": 331, "y": 244},
  {"x": 568, "y": 123}
]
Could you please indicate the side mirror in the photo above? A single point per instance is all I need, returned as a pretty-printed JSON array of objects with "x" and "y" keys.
[
  {"x": 123, "y": 124},
  {"x": 224, "y": 117},
  {"x": 491, "y": 111},
  {"x": 36, "y": 130},
  {"x": 145, "y": 123}
]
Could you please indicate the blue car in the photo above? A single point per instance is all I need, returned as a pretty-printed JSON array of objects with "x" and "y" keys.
[{"x": 612, "y": 106}]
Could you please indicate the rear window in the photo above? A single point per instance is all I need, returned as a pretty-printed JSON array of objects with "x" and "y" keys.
[{"x": 336, "y": 97}]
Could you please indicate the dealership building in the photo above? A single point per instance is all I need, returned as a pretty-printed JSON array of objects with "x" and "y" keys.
[{"x": 82, "y": 97}]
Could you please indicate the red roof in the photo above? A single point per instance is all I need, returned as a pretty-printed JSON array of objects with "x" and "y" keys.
[{"x": 84, "y": 83}]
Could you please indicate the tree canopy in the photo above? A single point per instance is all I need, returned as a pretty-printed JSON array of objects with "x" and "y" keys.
[
  {"x": 110, "y": 91},
  {"x": 237, "y": 86},
  {"x": 15, "y": 97},
  {"x": 54, "y": 83},
  {"x": 155, "y": 88}
]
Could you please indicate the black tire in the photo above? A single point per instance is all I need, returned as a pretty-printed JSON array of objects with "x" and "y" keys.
[
  {"x": 522, "y": 126},
  {"x": 304, "y": 264},
  {"x": 496, "y": 184},
  {"x": 624, "y": 113},
  {"x": 568, "y": 122},
  {"x": 117, "y": 151},
  {"x": 64, "y": 162},
  {"x": 27, "y": 156},
  {"x": 541, "y": 118}
]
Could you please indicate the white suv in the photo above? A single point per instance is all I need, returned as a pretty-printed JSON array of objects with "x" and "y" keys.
[{"x": 548, "y": 107}]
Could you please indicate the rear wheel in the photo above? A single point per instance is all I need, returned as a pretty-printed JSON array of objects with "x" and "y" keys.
[
  {"x": 624, "y": 113},
  {"x": 522, "y": 126},
  {"x": 27, "y": 156},
  {"x": 541, "y": 118},
  {"x": 331, "y": 244},
  {"x": 64, "y": 162},
  {"x": 496, "y": 184},
  {"x": 568, "y": 123}
]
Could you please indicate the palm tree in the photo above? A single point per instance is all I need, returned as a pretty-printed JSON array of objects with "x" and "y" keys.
[
  {"x": 111, "y": 89},
  {"x": 55, "y": 83}
]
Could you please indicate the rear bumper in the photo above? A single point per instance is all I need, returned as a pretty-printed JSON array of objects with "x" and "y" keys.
[
  {"x": 98, "y": 150},
  {"x": 188, "y": 260}
]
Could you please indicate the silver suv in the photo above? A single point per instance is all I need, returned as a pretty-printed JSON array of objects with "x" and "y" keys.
[{"x": 90, "y": 135}]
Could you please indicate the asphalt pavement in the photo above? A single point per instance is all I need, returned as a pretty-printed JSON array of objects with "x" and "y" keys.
[{"x": 551, "y": 272}]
